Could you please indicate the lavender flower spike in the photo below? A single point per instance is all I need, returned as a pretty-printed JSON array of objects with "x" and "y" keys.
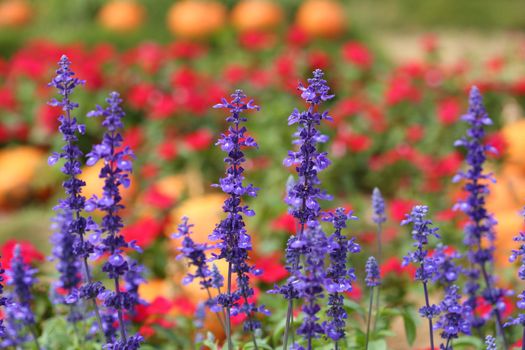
[
  {"x": 76, "y": 226},
  {"x": 372, "y": 279},
  {"x": 18, "y": 309},
  {"x": 303, "y": 199},
  {"x": 454, "y": 319},
  {"x": 422, "y": 230},
  {"x": 3, "y": 301},
  {"x": 379, "y": 218},
  {"x": 490, "y": 343},
  {"x": 115, "y": 172},
  {"x": 234, "y": 241},
  {"x": 515, "y": 255},
  {"x": 195, "y": 254},
  {"x": 481, "y": 222},
  {"x": 339, "y": 277}
]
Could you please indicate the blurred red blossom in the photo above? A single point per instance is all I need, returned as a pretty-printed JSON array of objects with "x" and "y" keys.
[
  {"x": 358, "y": 54},
  {"x": 28, "y": 251}
]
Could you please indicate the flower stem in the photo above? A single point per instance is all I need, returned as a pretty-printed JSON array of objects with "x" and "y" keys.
[
  {"x": 369, "y": 316},
  {"x": 379, "y": 254},
  {"x": 499, "y": 322},
  {"x": 430, "y": 327},
  {"x": 119, "y": 312},
  {"x": 216, "y": 313},
  {"x": 35, "y": 336},
  {"x": 228, "y": 315},
  {"x": 287, "y": 327}
]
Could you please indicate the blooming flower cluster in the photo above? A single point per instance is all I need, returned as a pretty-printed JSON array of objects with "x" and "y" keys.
[
  {"x": 233, "y": 240},
  {"x": 115, "y": 171},
  {"x": 20, "y": 319},
  {"x": 481, "y": 223},
  {"x": 515, "y": 255},
  {"x": 422, "y": 230}
]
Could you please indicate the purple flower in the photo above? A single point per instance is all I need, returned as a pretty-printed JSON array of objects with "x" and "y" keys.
[
  {"x": 67, "y": 262},
  {"x": 422, "y": 230},
  {"x": 378, "y": 206},
  {"x": 454, "y": 319},
  {"x": 373, "y": 277},
  {"x": 307, "y": 251},
  {"x": 338, "y": 276},
  {"x": 233, "y": 240},
  {"x": 195, "y": 255},
  {"x": 116, "y": 173},
  {"x": 490, "y": 343},
  {"x": 2, "y": 300},
  {"x": 20, "y": 319},
  {"x": 515, "y": 255},
  {"x": 481, "y": 222}
]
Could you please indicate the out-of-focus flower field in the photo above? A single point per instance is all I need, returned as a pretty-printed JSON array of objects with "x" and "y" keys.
[{"x": 395, "y": 124}]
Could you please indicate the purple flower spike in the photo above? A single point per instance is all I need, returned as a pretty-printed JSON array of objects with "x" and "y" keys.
[
  {"x": 422, "y": 230},
  {"x": 455, "y": 317},
  {"x": 373, "y": 278},
  {"x": 234, "y": 241},
  {"x": 378, "y": 205},
  {"x": 519, "y": 254},
  {"x": 2, "y": 301},
  {"x": 20, "y": 319},
  {"x": 116, "y": 174},
  {"x": 481, "y": 222}
]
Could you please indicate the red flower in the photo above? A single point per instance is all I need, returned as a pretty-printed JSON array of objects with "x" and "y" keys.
[
  {"x": 29, "y": 253},
  {"x": 429, "y": 42},
  {"x": 235, "y": 73},
  {"x": 186, "y": 49},
  {"x": 497, "y": 141},
  {"x": 158, "y": 200},
  {"x": 399, "y": 207},
  {"x": 285, "y": 222},
  {"x": 401, "y": 89},
  {"x": 356, "y": 293},
  {"x": 140, "y": 95},
  {"x": 163, "y": 106},
  {"x": 357, "y": 54},
  {"x": 198, "y": 140},
  {"x": 256, "y": 40},
  {"x": 355, "y": 142},
  {"x": 415, "y": 133},
  {"x": 297, "y": 37},
  {"x": 7, "y": 99},
  {"x": 393, "y": 266},
  {"x": 273, "y": 269},
  {"x": 144, "y": 231},
  {"x": 167, "y": 150},
  {"x": 48, "y": 118},
  {"x": 133, "y": 137},
  {"x": 318, "y": 60},
  {"x": 448, "y": 111}
]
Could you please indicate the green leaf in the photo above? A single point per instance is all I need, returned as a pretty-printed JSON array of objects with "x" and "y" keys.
[
  {"x": 379, "y": 344},
  {"x": 409, "y": 321},
  {"x": 468, "y": 342}
]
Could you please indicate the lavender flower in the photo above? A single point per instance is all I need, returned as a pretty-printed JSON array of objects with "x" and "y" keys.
[
  {"x": 490, "y": 343},
  {"x": 422, "y": 230},
  {"x": 18, "y": 309},
  {"x": 74, "y": 226},
  {"x": 481, "y": 224},
  {"x": 234, "y": 241},
  {"x": 378, "y": 205},
  {"x": 195, "y": 254},
  {"x": 373, "y": 278},
  {"x": 454, "y": 319},
  {"x": 447, "y": 272},
  {"x": 115, "y": 172},
  {"x": 306, "y": 251},
  {"x": 515, "y": 255},
  {"x": 339, "y": 277},
  {"x": 3, "y": 300},
  {"x": 68, "y": 264}
]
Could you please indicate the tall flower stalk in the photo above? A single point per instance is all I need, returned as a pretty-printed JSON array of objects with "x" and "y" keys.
[
  {"x": 75, "y": 229},
  {"x": 306, "y": 251},
  {"x": 372, "y": 280},
  {"x": 515, "y": 255},
  {"x": 195, "y": 254},
  {"x": 339, "y": 277},
  {"x": 21, "y": 278},
  {"x": 379, "y": 218},
  {"x": 233, "y": 240},
  {"x": 481, "y": 223},
  {"x": 3, "y": 301},
  {"x": 116, "y": 170},
  {"x": 422, "y": 230}
]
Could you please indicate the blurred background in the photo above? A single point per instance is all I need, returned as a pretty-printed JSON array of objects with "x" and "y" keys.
[{"x": 400, "y": 69}]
